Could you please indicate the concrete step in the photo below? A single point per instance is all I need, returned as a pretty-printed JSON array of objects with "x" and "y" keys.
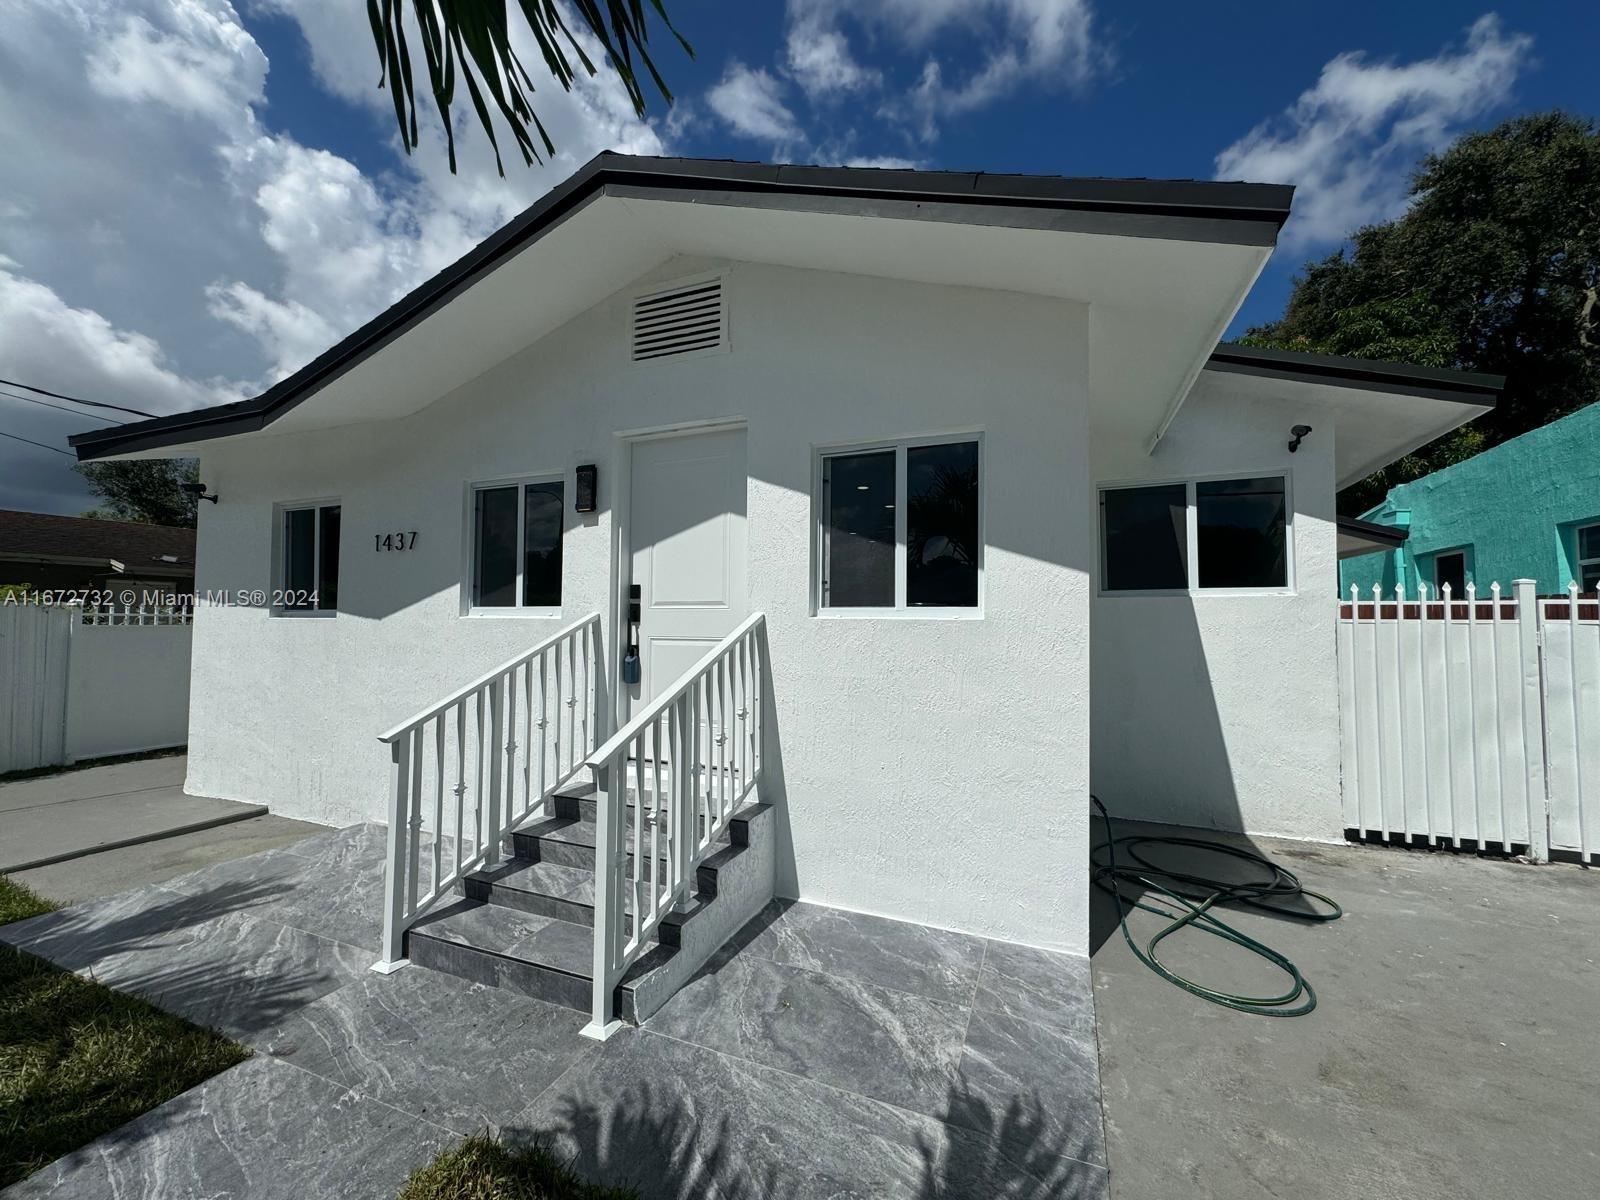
[
  {"x": 536, "y": 956},
  {"x": 528, "y": 923}
]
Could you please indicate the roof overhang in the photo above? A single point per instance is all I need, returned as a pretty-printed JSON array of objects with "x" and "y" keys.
[
  {"x": 1358, "y": 537},
  {"x": 1381, "y": 410},
  {"x": 1163, "y": 266}
]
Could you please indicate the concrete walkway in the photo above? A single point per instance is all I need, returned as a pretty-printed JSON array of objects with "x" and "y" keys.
[
  {"x": 1452, "y": 1054},
  {"x": 824, "y": 1054},
  {"x": 51, "y": 818}
]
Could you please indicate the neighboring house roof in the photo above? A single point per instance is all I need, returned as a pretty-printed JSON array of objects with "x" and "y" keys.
[
  {"x": 140, "y": 548},
  {"x": 1363, "y": 537},
  {"x": 1238, "y": 213}
]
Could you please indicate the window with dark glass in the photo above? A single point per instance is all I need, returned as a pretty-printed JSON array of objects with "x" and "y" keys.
[
  {"x": 942, "y": 525},
  {"x": 1241, "y": 528},
  {"x": 310, "y": 575},
  {"x": 1588, "y": 565},
  {"x": 516, "y": 545},
  {"x": 1144, "y": 532},
  {"x": 858, "y": 530},
  {"x": 1450, "y": 570},
  {"x": 901, "y": 527}
]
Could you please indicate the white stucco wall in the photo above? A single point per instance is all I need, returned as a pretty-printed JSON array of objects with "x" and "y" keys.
[
  {"x": 1221, "y": 711},
  {"x": 936, "y": 770}
]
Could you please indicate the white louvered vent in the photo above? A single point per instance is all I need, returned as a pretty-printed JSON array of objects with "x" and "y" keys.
[{"x": 686, "y": 318}]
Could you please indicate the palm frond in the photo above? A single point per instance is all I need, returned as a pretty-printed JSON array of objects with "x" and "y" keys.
[{"x": 473, "y": 38}]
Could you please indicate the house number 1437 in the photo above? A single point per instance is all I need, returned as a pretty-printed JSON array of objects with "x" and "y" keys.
[{"x": 395, "y": 541}]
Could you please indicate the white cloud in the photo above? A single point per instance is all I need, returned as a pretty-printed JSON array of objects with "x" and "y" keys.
[
  {"x": 166, "y": 249},
  {"x": 750, "y": 101},
  {"x": 1018, "y": 43},
  {"x": 820, "y": 58},
  {"x": 885, "y": 162},
  {"x": 1350, "y": 142}
]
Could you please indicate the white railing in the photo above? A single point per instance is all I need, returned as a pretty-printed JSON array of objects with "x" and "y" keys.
[
  {"x": 1472, "y": 720},
  {"x": 689, "y": 759},
  {"x": 497, "y": 748},
  {"x": 136, "y": 614}
]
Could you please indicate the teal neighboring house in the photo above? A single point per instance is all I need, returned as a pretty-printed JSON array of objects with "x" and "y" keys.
[{"x": 1527, "y": 509}]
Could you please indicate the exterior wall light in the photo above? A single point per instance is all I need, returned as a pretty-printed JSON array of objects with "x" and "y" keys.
[
  {"x": 588, "y": 487},
  {"x": 198, "y": 491},
  {"x": 1299, "y": 432}
]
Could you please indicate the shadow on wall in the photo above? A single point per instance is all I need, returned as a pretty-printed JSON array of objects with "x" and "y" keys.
[
  {"x": 1158, "y": 751},
  {"x": 671, "y": 1149}
]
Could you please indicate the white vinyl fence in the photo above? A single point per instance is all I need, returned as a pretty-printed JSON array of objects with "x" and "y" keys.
[
  {"x": 81, "y": 683},
  {"x": 1472, "y": 721}
]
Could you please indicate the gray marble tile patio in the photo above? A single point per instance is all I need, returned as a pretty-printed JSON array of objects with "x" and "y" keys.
[
  {"x": 1037, "y": 985},
  {"x": 823, "y": 1054},
  {"x": 936, "y": 963},
  {"x": 262, "y": 1130},
  {"x": 458, "y": 1054},
  {"x": 678, "y": 1121},
  {"x": 888, "y": 1045}
]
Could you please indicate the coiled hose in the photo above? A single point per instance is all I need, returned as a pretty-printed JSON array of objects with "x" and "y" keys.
[{"x": 1188, "y": 900}]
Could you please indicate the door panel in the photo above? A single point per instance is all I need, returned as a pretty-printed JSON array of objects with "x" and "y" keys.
[{"x": 687, "y": 527}]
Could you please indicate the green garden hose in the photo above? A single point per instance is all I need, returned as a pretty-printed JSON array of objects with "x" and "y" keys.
[{"x": 1188, "y": 900}]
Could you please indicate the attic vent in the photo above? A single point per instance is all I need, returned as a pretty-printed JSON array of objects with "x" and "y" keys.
[{"x": 680, "y": 320}]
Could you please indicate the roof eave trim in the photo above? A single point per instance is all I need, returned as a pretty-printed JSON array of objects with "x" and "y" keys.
[
  {"x": 1196, "y": 204},
  {"x": 1457, "y": 387}
]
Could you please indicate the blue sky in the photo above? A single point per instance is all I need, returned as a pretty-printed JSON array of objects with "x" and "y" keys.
[{"x": 199, "y": 197}]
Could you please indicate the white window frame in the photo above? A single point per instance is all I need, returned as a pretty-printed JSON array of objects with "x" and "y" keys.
[
  {"x": 1191, "y": 547},
  {"x": 1578, "y": 561},
  {"x": 470, "y": 546},
  {"x": 819, "y": 529},
  {"x": 280, "y": 554}
]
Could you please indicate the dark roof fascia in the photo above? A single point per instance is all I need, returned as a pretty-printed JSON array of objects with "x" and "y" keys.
[
  {"x": 1389, "y": 535},
  {"x": 1459, "y": 387},
  {"x": 1211, "y": 211}
]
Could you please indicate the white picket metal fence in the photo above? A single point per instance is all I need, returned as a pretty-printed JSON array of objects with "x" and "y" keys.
[{"x": 1472, "y": 721}]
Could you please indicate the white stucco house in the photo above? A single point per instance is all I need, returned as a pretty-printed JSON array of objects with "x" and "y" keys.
[{"x": 942, "y": 507}]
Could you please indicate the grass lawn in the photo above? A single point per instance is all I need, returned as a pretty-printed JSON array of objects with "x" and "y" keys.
[
  {"x": 78, "y": 1059},
  {"x": 480, "y": 1168}
]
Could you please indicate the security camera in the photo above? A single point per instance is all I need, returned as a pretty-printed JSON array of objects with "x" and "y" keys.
[{"x": 197, "y": 490}]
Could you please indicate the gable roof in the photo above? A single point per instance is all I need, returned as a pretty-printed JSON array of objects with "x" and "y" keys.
[
  {"x": 35, "y": 537},
  {"x": 1232, "y": 213}
]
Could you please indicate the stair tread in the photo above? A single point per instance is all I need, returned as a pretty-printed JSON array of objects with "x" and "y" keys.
[
  {"x": 543, "y": 941},
  {"x": 573, "y": 884},
  {"x": 575, "y": 831}
]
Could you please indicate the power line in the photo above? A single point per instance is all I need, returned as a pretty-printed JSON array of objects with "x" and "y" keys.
[
  {"x": 28, "y": 387},
  {"x": 46, "y": 404},
  {"x": 41, "y": 445}
]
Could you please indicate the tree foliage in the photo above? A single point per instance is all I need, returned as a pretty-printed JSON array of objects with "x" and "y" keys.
[
  {"x": 471, "y": 40},
  {"x": 1495, "y": 267},
  {"x": 144, "y": 489}
]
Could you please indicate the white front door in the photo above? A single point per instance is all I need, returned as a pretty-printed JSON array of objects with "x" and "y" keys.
[{"x": 686, "y": 527}]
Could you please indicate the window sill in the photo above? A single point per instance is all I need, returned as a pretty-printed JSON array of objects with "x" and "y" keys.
[
  {"x": 898, "y": 614},
  {"x": 1201, "y": 594},
  {"x": 514, "y": 614}
]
